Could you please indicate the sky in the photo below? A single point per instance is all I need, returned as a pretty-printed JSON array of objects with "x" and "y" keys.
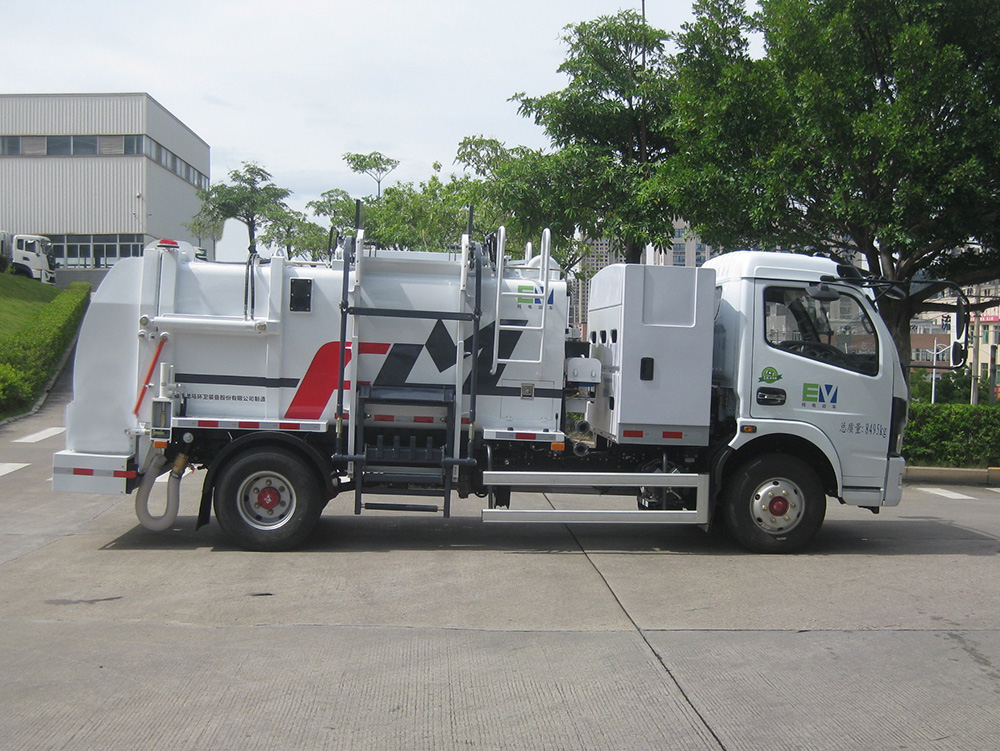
[{"x": 294, "y": 84}]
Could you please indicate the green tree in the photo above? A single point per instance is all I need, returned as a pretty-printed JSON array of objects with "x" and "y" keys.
[
  {"x": 376, "y": 165},
  {"x": 340, "y": 211},
  {"x": 527, "y": 190},
  {"x": 608, "y": 124},
  {"x": 869, "y": 127},
  {"x": 250, "y": 197},
  {"x": 952, "y": 387},
  {"x": 206, "y": 225},
  {"x": 295, "y": 234},
  {"x": 429, "y": 216}
]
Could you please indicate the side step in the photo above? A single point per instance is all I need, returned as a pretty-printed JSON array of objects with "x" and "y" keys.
[
  {"x": 569, "y": 482},
  {"x": 401, "y": 507}
]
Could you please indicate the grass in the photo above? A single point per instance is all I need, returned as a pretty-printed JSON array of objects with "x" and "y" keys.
[{"x": 20, "y": 301}]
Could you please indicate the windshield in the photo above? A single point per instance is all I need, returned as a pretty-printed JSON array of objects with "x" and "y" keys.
[{"x": 838, "y": 332}]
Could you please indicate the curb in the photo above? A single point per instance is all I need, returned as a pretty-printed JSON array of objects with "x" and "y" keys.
[{"x": 953, "y": 476}]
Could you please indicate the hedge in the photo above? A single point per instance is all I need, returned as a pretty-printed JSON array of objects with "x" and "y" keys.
[
  {"x": 953, "y": 435},
  {"x": 30, "y": 355}
]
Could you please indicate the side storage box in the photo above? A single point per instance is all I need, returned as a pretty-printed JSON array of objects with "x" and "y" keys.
[{"x": 652, "y": 329}]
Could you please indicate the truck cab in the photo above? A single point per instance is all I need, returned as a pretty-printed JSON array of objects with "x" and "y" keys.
[
  {"x": 29, "y": 255},
  {"x": 813, "y": 372}
]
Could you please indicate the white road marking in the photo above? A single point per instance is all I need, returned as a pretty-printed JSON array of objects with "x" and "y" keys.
[
  {"x": 41, "y": 435},
  {"x": 948, "y": 494},
  {"x": 7, "y": 467}
]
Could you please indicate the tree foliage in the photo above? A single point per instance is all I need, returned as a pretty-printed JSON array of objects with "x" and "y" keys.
[
  {"x": 376, "y": 165},
  {"x": 250, "y": 197},
  {"x": 429, "y": 216},
  {"x": 868, "y": 127},
  {"x": 609, "y": 127}
]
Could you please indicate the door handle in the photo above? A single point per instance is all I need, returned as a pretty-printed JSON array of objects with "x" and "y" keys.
[{"x": 770, "y": 397}]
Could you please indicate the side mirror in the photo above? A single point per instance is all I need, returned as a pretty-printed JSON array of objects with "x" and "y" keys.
[
  {"x": 822, "y": 292},
  {"x": 959, "y": 332}
]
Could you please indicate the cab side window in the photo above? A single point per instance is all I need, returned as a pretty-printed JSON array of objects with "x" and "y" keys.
[{"x": 837, "y": 332}]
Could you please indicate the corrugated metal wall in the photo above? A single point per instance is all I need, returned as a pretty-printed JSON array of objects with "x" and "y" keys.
[
  {"x": 96, "y": 194},
  {"x": 72, "y": 114},
  {"x": 75, "y": 194}
]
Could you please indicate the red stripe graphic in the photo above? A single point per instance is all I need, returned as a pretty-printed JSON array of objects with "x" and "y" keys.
[{"x": 321, "y": 379}]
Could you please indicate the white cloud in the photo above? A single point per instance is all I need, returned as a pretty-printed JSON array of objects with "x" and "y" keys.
[{"x": 294, "y": 85}]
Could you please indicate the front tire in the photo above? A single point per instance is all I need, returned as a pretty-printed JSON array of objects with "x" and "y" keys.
[
  {"x": 774, "y": 504},
  {"x": 268, "y": 499}
]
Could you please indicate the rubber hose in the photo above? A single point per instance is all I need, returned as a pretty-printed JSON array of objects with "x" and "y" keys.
[{"x": 158, "y": 523}]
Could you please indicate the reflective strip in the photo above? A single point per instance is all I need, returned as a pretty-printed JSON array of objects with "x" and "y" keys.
[
  {"x": 121, "y": 474},
  {"x": 311, "y": 426}
]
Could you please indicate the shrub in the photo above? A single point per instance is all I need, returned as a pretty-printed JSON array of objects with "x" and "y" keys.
[
  {"x": 953, "y": 435},
  {"x": 29, "y": 356}
]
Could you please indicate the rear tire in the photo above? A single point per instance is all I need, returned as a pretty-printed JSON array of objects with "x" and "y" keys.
[
  {"x": 774, "y": 504},
  {"x": 268, "y": 499}
]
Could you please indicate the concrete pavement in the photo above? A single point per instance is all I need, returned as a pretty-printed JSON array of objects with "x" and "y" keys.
[{"x": 402, "y": 632}]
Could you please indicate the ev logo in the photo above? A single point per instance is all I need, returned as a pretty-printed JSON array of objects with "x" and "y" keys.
[
  {"x": 823, "y": 395},
  {"x": 769, "y": 375}
]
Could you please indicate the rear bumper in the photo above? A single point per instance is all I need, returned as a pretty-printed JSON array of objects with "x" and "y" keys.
[{"x": 110, "y": 474}]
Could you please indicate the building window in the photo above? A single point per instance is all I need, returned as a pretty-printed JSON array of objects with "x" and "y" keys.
[
  {"x": 84, "y": 145},
  {"x": 58, "y": 145},
  {"x": 134, "y": 145},
  {"x": 94, "y": 251},
  {"x": 107, "y": 145}
]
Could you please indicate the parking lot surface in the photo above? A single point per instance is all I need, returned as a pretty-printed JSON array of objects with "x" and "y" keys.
[{"x": 404, "y": 632}]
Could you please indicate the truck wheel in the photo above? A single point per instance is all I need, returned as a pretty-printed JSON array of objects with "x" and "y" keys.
[
  {"x": 774, "y": 504},
  {"x": 268, "y": 499}
]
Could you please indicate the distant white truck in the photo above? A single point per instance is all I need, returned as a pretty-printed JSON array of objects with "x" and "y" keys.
[{"x": 29, "y": 255}]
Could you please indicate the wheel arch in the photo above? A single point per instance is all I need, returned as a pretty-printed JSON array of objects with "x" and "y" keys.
[
  {"x": 320, "y": 464},
  {"x": 784, "y": 443}
]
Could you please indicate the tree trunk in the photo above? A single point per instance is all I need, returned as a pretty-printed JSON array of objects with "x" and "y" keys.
[
  {"x": 897, "y": 315},
  {"x": 632, "y": 250}
]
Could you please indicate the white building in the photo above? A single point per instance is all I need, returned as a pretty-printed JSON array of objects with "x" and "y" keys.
[
  {"x": 687, "y": 249},
  {"x": 100, "y": 174}
]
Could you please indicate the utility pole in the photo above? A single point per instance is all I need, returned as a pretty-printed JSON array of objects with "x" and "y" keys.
[{"x": 974, "y": 335}]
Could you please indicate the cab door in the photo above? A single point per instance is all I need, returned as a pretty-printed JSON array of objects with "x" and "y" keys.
[{"x": 823, "y": 362}]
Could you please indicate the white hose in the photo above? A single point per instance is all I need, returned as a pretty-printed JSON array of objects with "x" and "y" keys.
[{"x": 158, "y": 523}]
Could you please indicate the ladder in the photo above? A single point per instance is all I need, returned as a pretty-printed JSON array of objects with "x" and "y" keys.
[
  {"x": 537, "y": 331},
  {"x": 386, "y": 465}
]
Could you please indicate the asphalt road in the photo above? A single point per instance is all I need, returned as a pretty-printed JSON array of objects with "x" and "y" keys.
[{"x": 401, "y": 632}]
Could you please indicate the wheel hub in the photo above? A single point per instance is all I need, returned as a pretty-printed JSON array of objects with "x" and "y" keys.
[
  {"x": 777, "y": 505},
  {"x": 266, "y": 500}
]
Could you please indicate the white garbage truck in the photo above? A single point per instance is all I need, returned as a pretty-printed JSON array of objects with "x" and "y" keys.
[
  {"x": 745, "y": 392},
  {"x": 29, "y": 255}
]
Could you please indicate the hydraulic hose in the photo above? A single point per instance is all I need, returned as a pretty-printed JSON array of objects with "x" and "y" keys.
[{"x": 160, "y": 523}]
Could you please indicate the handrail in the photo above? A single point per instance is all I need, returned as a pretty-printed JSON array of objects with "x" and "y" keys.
[
  {"x": 544, "y": 272},
  {"x": 501, "y": 244}
]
